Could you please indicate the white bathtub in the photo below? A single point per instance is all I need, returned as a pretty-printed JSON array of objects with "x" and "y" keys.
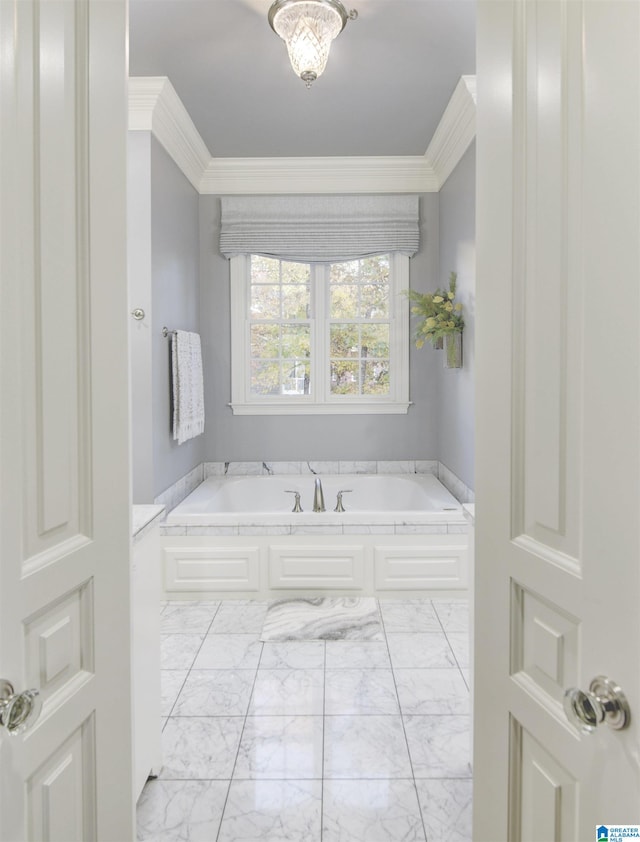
[
  {"x": 264, "y": 500},
  {"x": 238, "y": 536}
]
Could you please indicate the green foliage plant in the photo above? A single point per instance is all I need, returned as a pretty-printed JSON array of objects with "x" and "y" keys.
[{"x": 438, "y": 313}]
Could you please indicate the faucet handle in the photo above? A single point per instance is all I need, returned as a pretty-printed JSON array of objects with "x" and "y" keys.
[
  {"x": 339, "y": 507},
  {"x": 296, "y": 506}
]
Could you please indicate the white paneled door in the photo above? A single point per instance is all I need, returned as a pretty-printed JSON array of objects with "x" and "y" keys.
[
  {"x": 64, "y": 563},
  {"x": 558, "y": 402}
]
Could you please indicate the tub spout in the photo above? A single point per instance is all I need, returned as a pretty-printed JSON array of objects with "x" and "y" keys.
[{"x": 318, "y": 497}]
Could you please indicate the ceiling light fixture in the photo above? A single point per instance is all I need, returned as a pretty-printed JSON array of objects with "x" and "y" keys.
[{"x": 308, "y": 27}]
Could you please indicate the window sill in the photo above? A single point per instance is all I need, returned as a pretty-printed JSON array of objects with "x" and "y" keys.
[{"x": 291, "y": 408}]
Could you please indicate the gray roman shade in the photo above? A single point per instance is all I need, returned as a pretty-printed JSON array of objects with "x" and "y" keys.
[{"x": 319, "y": 229}]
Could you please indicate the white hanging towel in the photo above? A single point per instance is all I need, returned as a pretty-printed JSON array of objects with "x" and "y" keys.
[{"x": 188, "y": 387}]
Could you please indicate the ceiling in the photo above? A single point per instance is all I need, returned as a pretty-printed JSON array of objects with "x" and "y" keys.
[{"x": 389, "y": 77}]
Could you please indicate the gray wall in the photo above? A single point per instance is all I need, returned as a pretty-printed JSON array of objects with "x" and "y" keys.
[
  {"x": 179, "y": 278},
  {"x": 457, "y": 252},
  {"x": 175, "y": 265},
  {"x": 164, "y": 279},
  {"x": 323, "y": 437}
]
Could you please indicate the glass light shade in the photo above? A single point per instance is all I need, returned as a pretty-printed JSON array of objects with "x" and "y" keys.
[{"x": 308, "y": 27}]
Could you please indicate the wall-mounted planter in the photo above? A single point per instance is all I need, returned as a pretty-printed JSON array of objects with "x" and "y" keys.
[{"x": 453, "y": 350}]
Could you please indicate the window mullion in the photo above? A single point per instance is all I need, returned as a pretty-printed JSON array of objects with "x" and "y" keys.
[{"x": 319, "y": 353}]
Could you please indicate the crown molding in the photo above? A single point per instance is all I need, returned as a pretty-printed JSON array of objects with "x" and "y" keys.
[
  {"x": 154, "y": 106},
  {"x": 225, "y": 176},
  {"x": 455, "y": 132}
]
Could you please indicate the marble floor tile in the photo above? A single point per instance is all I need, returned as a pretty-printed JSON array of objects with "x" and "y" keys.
[
  {"x": 365, "y": 747},
  {"x": 431, "y": 691},
  {"x": 274, "y": 717},
  {"x": 446, "y": 808},
  {"x": 466, "y": 674},
  {"x": 323, "y": 618},
  {"x": 187, "y": 617},
  {"x": 229, "y": 651},
  {"x": 177, "y": 651},
  {"x": 171, "y": 682},
  {"x": 360, "y": 691},
  {"x": 414, "y": 617},
  {"x": 372, "y": 811},
  {"x": 460, "y": 644},
  {"x": 181, "y": 811},
  {"x": 288, "y": 692},
  {"x": 439, "y": 746},
  {"x": 280, "y": 747},
  {"x": 454, "y": 616},
  {"x": 420, "y": 650},
  {"x": 272, "y": 811},
  {"x": 306, "y": 654},
  {"x": 200, "y": 747},
  {"x": 215, "y": 693},
  {"x": 240, "y": 618},
  {"x": 351, "y": 654}
]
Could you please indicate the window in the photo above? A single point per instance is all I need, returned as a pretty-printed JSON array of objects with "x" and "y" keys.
[{"x": 319, "y": 338}]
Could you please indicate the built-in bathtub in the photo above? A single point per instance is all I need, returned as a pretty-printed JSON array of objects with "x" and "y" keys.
[
  {"x": 268, "y": 500},
  {"x": 238, "y": 536}
]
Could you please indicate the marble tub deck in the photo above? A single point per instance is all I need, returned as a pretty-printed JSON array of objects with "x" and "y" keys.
[
  {"x": 322, "y": 618},
  {"x": 312, "y": 741}
]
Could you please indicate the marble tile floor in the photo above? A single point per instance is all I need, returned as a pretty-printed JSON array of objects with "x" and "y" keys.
[{"x": 312, "y": 741}]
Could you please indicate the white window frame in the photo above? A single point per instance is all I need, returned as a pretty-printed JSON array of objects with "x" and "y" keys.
[{"x": 321, "y": 401}]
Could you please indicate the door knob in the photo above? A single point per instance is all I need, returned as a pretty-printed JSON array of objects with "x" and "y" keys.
[
  {"x": 18, "y": 711},
  {"x": 604, "y": 702}
]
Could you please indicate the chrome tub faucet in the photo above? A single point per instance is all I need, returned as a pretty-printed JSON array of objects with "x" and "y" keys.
[
  {"x": 339, "y": 507},
  {"x": 296, "y": 506},
  {"x": 318, "y": 497}
]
